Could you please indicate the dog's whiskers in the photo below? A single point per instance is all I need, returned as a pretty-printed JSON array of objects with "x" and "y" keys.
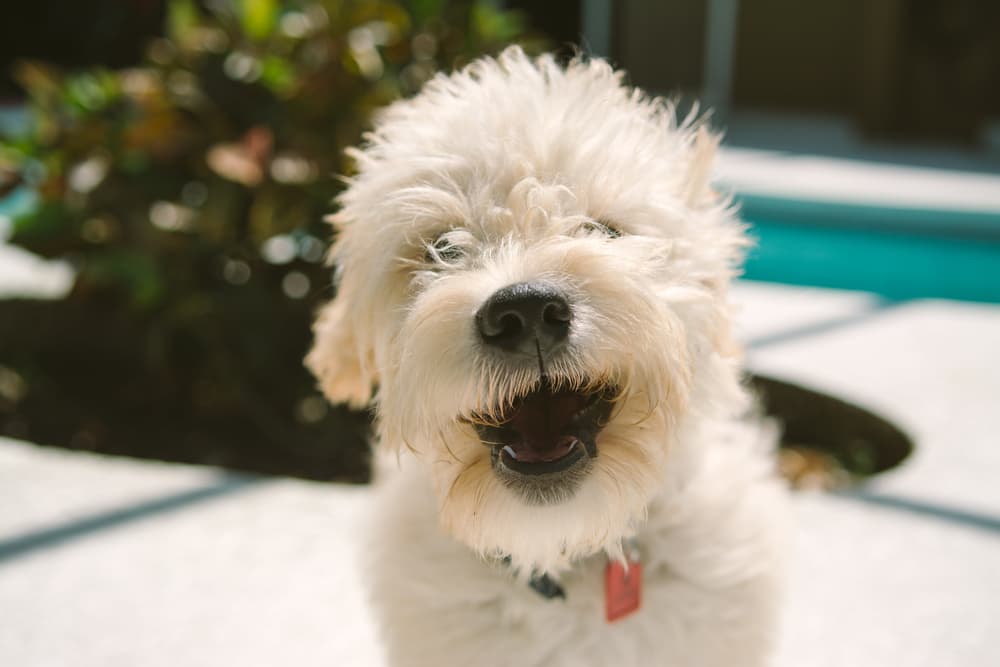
[
  {"x": 487, "y": 419},
  {"x": 406, "y": 443},
  {"x": 447, "y": 446}
]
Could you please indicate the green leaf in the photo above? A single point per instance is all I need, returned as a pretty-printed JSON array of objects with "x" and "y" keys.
[
  {"x": 92, "y": 91},
  {"x": 182, "y": 17},
  {"x": 424, "y": 10},
  {"x": 136, "y": 273},
  {"x": 493, "y": 25},
  {"x": 259, "y": 17},
  {"x": 42, "y": 223},
  {"x": 277, "y": 74}
]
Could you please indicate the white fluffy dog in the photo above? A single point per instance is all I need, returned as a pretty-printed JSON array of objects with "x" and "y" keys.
[{"x": 532, "y": 275}]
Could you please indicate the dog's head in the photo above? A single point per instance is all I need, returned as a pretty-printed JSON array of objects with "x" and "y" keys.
[{"x": 531, "y": 271}]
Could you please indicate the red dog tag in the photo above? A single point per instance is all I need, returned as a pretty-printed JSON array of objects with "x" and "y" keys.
[{"x": 622, "y": 588}]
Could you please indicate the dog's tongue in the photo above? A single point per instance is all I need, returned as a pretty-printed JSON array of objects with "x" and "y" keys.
[{"x": 543, "y": 423}]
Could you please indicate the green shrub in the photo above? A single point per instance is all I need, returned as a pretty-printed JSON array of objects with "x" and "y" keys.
[{"x": 188, "y": 195}]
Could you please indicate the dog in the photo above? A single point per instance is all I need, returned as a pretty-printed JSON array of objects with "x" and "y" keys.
[{"x": 532, "y": 272}]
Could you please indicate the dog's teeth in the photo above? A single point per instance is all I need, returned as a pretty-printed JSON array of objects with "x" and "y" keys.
[{"x": 510, "y": 452}]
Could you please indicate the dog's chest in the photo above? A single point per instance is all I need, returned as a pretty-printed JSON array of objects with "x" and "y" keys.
[
  {"x": 441, "y": 604},
  {"x": 579, "y": 622}
]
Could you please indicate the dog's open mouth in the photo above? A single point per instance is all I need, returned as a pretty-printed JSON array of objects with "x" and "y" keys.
[{"x": 547, "y": 434}]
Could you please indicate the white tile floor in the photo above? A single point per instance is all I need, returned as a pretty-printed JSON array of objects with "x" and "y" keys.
[
  {"x": 907, "y": 572},
  {"x": 189, "y": 567}
]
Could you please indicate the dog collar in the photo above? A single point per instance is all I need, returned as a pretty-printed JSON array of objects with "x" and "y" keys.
[
  {"x": 622, "y": 584},
  {"x": 547, "y": 587}
]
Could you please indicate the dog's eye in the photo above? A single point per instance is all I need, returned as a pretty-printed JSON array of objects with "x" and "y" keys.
[
  {"x": 605, "y": 228},
  {"x": 443, "y": 250}
]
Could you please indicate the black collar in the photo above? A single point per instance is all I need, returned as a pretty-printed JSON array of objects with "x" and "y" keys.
[
  {"x": 550, "y": 589},
  {"x": 547, "y": 587},
  {"x": 542, "y": 584}
]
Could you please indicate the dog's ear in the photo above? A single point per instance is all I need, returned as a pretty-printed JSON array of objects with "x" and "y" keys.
[
  {"x": 343, "y": 369},
  {"x": 341, "y": 357}
]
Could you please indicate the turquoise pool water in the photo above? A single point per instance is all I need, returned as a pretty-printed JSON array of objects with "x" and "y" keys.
[{"x": 896, "y": 253}]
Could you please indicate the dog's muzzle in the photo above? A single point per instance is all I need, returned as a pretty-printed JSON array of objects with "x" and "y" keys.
[{"x": 544, "y": 443}]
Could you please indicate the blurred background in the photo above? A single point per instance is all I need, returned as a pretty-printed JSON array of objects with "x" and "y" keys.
[
  {"x": 165, "y": 166},
  {"x": 171, "y": 162},
  {"x": 178, "y": 158}
]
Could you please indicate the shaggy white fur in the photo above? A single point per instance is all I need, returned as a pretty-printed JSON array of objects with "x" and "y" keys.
[{"x": 519, "y": 172}]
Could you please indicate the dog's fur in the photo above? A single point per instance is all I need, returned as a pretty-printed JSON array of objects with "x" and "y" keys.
[{"x": 512, "y": 171}]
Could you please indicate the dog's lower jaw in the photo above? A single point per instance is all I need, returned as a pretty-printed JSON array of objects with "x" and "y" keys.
[
  {"x": 542, "y": 537},
  {"x": 544, "y": 488}
]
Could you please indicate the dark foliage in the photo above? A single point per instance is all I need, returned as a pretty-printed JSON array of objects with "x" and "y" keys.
[{"x": 188, "y": 195}]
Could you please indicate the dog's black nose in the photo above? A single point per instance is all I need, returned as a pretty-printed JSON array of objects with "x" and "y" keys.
[{"x": 514, "y": 317}]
